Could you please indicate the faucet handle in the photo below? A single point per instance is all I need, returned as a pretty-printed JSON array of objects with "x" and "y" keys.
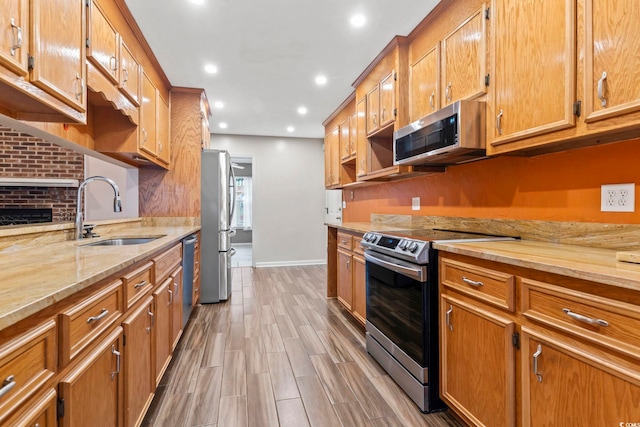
[{"x": 88, "y": 230}]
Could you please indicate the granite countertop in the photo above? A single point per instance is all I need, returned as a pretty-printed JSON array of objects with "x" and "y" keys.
[
  {"x": 594, "y": 264},
  {"x": 363, "y": 227},
  {"x": 35, "y": 277}
]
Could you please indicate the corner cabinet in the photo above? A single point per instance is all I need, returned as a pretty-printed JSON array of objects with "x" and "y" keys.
[
  {"x": 42, "y": 65},
  {"x": 567, "y": 353}
]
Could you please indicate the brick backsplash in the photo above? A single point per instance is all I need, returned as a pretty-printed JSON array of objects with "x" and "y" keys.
[{"x": 24, "y": 156}]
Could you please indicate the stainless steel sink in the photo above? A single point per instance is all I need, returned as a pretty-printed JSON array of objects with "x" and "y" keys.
[{"x": 120, "y": 241}]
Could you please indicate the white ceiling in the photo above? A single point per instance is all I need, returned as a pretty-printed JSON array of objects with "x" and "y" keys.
[{"x": 268, "y": 53}]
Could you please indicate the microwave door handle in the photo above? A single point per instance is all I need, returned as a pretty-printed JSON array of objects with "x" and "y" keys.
[{"x": 414, "y": 273}]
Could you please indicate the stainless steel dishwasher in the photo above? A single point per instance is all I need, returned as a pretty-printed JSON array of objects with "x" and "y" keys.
[{"x": 188, "y": 249}]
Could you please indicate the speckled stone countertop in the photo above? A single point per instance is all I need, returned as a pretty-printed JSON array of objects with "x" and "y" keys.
[
  {"x": 363, "y": 227},
  {"x": 35, "y": 277},
  {"x": 595, "y": 264}
]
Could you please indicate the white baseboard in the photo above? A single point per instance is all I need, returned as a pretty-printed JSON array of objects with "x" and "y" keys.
[{"x": 291, "y": 263}]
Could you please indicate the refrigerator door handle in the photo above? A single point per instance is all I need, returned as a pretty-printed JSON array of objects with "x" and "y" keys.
[
  {"x": 232, "y": 232},
  {"x": 233, "y": 193}
]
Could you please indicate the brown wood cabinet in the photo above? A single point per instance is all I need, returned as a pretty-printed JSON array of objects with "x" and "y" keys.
[
  {"x": 351, "y": 280},
  {"x": 92, "y": 390},
  {"x": 424, "y": 83},
  {"x": 162, "y": 345},
  {"x": 556, "y": 358},
  {"x": 464, "y": 59},
  {"x": 103, "y": 42},
  {"x": 139, "y": 378},
  {"x": 148, "y": 117},
  {"x": 176, "y": 298},
  {"x": 362, "y": 157},
  {"x": 162, "y": 131},
  {"x": 130, "y": 71},
  {"x": 332, "y": 158},
  {"x": 41, "y": 413}
]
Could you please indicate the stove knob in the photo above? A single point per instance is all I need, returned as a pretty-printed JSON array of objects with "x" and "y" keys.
[
  {"x": 403, "y": 245},
  {"x": 365, "y": 237},
  {"x": 413, "y": 247}
]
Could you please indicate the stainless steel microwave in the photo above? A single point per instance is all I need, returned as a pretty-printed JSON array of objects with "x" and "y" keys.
[{"x": 453, "y": 134}]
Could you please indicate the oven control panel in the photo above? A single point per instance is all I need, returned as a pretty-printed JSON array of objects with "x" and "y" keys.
[{"x": 408, "y": 249}]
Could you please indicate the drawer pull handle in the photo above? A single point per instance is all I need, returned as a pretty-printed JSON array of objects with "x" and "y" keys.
[
  {"x": 7, "y": 385},
  {"x": 448, "y": 318},
  {"x": 139, "y": 285},
  {"x": 472, "y": 282},
  {"x": 585, "y": 319},
  {"x": 17, "y": 36},
  {"x": 102, "y": 314},
  {"x": 536, "y": 356},
  {"x": 117, "y": 354}
]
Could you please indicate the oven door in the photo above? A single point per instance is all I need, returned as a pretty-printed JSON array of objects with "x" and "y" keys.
[{"x": 397, "y": 299}]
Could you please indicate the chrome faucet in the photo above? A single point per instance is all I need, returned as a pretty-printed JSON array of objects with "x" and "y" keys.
[{"x": 117, "y": 203}]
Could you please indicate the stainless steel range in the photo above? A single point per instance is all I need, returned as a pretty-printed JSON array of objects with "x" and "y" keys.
[{"x": 402, "y": 307}]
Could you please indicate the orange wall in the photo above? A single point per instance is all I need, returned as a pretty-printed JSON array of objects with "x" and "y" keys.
[{"x": 554, "y": 187}]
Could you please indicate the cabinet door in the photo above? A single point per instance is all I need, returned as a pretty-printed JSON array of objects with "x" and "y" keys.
[
  {"x": 534, "y": 69},
  {"x": 373, "y": 109},
  {"x": 129, "y": 74},
  {"x": 327, "y": 161},
  {"x": 359, "y": 289},
  {"x": 138, "y": 362},
  {"x": 148, "y": 116},
  {"x": 613, "y": 78},
  {"x": 93, "y": 388},
  {"x": 464, "y": 60},
  {"x": 103, "y": 43},
  {"x": 332, "y": 158},
  {"x": 563, "y": 385},
  {"x": 162, "y": 301},
  {"x": 40, "y": 413},
  {"x": 362, "y": 150},
  {"x": 345, "y": 279},
  {"x": 478, "y": 363},
  {"x": 14, "y": 35},
  {"x": 353, "y": 134},
  {"x": 388, "y": 100},
  {"x": 58, "y": 49},
  {"x": 345, "y": 133},
  {"x": 163, "y": 145},
  {"x": 176, "y": 307},
  {"x": 424, "y": 80}
]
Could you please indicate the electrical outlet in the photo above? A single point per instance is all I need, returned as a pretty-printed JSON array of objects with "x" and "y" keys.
[
  {"x": 344, "y": 204},
  {"x": 415, "y": 203},
  {"x": 618, "y": 198}
]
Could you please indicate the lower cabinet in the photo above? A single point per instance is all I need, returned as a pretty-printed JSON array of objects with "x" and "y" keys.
[
  {"x": 565, "y": 384},
  {"x": 91, "y": 391},
  {"x": 351, "y": 272},
  {"x": 162, "y": 301},
  {"x": 139, "y": 378},
  {"x": 176, "y": 307},
  {"x": 478, "y": 362},
  {"x": 41, "y": 413}
]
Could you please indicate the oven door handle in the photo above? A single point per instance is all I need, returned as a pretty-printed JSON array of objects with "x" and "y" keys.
[{"x": 416, "y": 273}]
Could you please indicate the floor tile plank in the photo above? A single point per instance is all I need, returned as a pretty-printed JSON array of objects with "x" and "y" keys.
[
  {"x": 207, "y": 390},
  {"x": 291, "y": 413},
  {"x": 284, "y": 383},
  {"x": 317, "y": 404},
  {"x": 233, "y": 412},
  {"x": 261, "y": 406}
]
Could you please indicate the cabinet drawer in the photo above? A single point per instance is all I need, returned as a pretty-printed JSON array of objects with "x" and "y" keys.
[
  {"x": 138, "y": 283},
  {"x": 83, "y": 322},
  {"x": 41, "y": 413},
  {"x": 167, "y": 262},
  {"x": 26, "y": 363},
  {"x": 345, "y": 241},
  {"x": 493, "y": 287},
  {"x": 357, "y": 248},
  {"x": 606, "y": 322}
]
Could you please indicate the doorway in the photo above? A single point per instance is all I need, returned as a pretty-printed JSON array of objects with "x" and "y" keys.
[{"x": 242, "y": 220}]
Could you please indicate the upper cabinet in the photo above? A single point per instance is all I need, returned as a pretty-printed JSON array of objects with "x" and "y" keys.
[
  {"x": 464, "y": 59},
  {"x": 381, "y": 104},
  {"x": 534, "y": 69},
  {"x": 42, "y": 61},
  {"x": 612, "y": 72},
  {"x": 129, "y": 74},
  {"x": 148, "y": 117},
  {"x": 424, "y": 84},
  {"x": 103, "y": 45}
]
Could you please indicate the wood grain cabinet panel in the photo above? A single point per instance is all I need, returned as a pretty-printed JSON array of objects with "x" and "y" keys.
[
  {"x": 612, "y": 77},
  {"x": 138, "y": 283},
  {"x": 162, "y": 344},
  {"x": 176, "y": 306},
  {"x": 388, "y": 99},
  {"x": 332, "y": 158},
  {"x": 163, "y": 147},
  {"x": 84, "y": 321},
  {"x": 373, "y": 110},
  {"x": 14, "y": 36},
  {"x": 129, "y": 74},
  {"x": 478, "y": 376},
  {"x": 531, "y": 100},
  {"x": 27, "y": 362},
  {"x": 464, "y": 59},
  {"x": 351, "y": 275},
  {"x": 59, "y": 52},
  {"x": 359, "y": 289},
  {"x": 362, "y": 149},
  {"x": 104, "y": 42},
  {"x": 42, "y": 412},
  {"x": 345, "y": 279},
  {"x": 92, "y": 391},
  {"x": 424, "y": 81},
  {"x": 345, "y": 139},
  {"x": 148, "y": 116},
  {"x": 565, "y": 384},
  {"x": 167, "y": 262}
]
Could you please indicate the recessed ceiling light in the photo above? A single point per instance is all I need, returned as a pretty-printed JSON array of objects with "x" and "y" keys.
[
  {"x": 302, "y": 110},
  {"x": 290, "y": 129},
  {"x": 321, "y": 80},
  {"x": 211, "y": 69},
  {"x": 222, "y": 125},
  {"x": 218, "y": 104},
  {"x": 358, "y": 20},
  {"x": 197, "y": 1}
]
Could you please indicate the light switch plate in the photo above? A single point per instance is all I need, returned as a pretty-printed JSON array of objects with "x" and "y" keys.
[
  {"x": 618, "y": 198},
  {"x": 344, "y": 204},
  {"x": 415, "y": 203}
]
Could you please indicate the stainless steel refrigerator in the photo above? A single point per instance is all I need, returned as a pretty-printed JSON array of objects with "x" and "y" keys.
[{"x": 218, "y": 200}]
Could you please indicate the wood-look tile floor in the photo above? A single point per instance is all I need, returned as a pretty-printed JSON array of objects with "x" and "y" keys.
[{"x": 278, "y": 353}]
